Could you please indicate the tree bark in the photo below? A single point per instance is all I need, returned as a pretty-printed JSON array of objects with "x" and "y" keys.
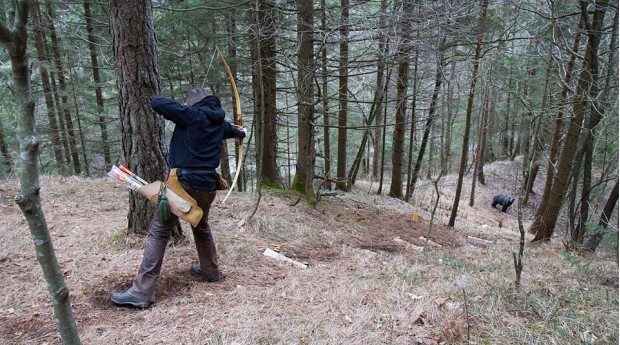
[
  {"x": 414, "y": 105},
  {"x": 545, "y": 219},
  {"x": 610, "y": 206},
  {"x": 402, "y": 84},
  {"x": 598, "y": 106},
  {"x": 63, "y": 106},
  {"x": 343, "y": 80},
  {"x": 383, "y": 136},
  {"x": 267, "y": 127},
  {"x": 478, "y": 175},
  {"x": 382, "y": 61},
  {"x": 304, "y": 174},
  {"x": 539, "y": 143},
  {"x": 327, "y": 153},
  {"x": 14, "y": 41},
  {"x": 375, "y": 109},
  {"x": 446, "y": 151},
  {"x": 92, "y": 48},
  {"x": 42, "y": 56},
  {"x": 559, "y": 121},
  {"x": 439, "y": 75},
  {"x": 143, "y": 137},
  {"x": 470, "y": 105},
  {"x": 4, "y": 150}
]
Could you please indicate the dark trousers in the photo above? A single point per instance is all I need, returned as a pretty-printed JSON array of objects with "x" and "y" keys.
[{"x": 157, "y": 240}]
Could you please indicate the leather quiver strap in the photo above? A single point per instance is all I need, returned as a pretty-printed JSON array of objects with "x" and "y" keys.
[{"x": 181, "y": 203}]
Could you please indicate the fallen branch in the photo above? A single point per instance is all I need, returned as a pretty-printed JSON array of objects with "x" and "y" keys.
[
  {"x": 434, "y": 244},
  {"x": 275, "y": 255},
  {"x": 478, "y": 242},
  {"x": 408, "y": 244}
]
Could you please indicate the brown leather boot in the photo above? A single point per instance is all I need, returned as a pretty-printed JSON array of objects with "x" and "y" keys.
[{"x": 211, "y": 277}]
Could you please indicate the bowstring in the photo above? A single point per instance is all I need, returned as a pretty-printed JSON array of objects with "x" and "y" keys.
[{"x": 208, "y": 69}]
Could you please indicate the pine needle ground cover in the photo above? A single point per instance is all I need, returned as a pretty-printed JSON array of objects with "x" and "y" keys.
[{"x": 367, "y": 280}]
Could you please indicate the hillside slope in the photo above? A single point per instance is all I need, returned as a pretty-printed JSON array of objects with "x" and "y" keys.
[{"x": 367, "y": 282}]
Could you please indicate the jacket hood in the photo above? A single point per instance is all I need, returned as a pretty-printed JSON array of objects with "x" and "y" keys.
[{"x": 212, "y": 108}]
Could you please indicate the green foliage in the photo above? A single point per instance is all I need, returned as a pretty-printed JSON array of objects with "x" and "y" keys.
[
  {"x": 557, "y": 314},
  {"x": 411, "y": 278},
  {"x": 271, "y": 184},
  {"x": 117, "y": 238},
  {"x": 297, "y": 185},
  {"x": 575, "y": 262},
  {"x": 610, "y": 236}
]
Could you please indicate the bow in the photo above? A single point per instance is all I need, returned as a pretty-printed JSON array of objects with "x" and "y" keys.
[{"x": 238, "y": 121}]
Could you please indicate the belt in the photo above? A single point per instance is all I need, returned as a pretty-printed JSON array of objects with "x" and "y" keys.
[{"x": 183, "y": 171}]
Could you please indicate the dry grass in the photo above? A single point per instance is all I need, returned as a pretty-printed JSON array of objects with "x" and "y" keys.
[{"x": 361, "y": 286}]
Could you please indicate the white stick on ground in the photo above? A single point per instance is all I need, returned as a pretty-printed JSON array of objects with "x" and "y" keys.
[{"x": 275, "y": 255}]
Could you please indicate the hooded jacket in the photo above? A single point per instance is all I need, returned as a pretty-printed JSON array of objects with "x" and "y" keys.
[{"x": 197, "y": 137}]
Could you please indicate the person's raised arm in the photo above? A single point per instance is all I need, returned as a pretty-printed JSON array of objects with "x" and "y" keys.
[{"x": 171, "y": 110}]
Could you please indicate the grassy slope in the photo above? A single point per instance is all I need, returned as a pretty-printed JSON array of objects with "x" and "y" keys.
[{"x": 361, "y": 287}]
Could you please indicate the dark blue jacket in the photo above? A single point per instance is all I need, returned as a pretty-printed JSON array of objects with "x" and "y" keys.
[{"x": 197, "y": 137}]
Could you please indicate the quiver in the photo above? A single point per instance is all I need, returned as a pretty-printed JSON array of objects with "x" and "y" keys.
[{"x": 181, "y": 203}]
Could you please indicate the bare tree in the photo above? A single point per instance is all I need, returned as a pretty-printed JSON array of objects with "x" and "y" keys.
[
  {"x": 439, "y": 76},
  {"x": 63, "y": 105},
  {"x": 470, "y": 105},
  {"x": 14, "y": 40},
  {"x": 343, "y": 97},
  {"x": 545, "y": 219},
  {"x": 92, "y": 48}
]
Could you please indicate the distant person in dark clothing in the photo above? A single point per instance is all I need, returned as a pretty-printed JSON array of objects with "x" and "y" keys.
[{"x": 195, "y": 151}]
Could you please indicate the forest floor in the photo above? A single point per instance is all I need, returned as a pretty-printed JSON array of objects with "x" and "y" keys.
[{"x": 367, "y": 282}]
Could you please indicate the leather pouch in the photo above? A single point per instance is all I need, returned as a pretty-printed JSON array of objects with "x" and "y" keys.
[{"x": 181, "y": 203}]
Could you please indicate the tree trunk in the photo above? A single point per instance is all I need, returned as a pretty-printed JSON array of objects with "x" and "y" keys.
[
  {"x": 414, "y": 104},
  {"x": 304, "y": 174},
  {"x": 60, "y": 74},
  {"x": 539, "y": 144},
  {"x": 267, "y": 129},
  {"x": 4, "y": 150},
  {"x": 598, "y": 99},
  {"x": 610, "y": 206},
  {"x": 402, "y": 84},
  {"x": 343, "y": 82},
  {"x": 396, "y": 185},
  {"x": 431, "y": 113},
  {"x": 79, "y": 125},
  {"x": 505, "y": 132},
  {"x": 327, "y": 154},
  {"x": 384, "y": 49},
  {"x": 470, "y": 106},
  {"x": 375, "y": 109},
  {"x": 482, "y": 145},
  {"x": 42, "y": 56},
  {"x": 14, "y": 41},
  {"x": 559, "y": 120},
  {"x": 383, "y": 136},
  {"x": 545, "y": 219},
  {"x": 446, "y": 151},
  {"x": 143, "y": 137},
  {"x": 478, "y": 175},
  {"x": 92, "y": 47}
]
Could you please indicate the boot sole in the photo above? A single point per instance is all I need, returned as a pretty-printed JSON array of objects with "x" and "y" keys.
[{"x": 141, "y": 305}]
